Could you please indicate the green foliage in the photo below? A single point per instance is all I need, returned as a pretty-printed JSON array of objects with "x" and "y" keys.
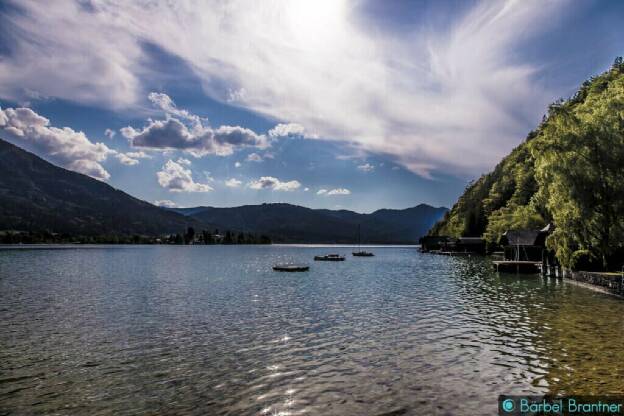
[
  {"x": 516, "y": 217},
  {"x": 570, "y": 171},
  {"x": 584, "y": 260}
]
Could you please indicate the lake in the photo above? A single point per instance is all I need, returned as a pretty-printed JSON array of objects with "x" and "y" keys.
[{"x": 212, "y": 330}]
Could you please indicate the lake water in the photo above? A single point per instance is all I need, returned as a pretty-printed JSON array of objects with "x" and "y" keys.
[{"x": 212, "y": 330}]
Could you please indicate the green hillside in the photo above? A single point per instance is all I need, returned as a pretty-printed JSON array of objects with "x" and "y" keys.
[
  {"x": 38, "y": 197},
  {"x": 569, "y": 171}
]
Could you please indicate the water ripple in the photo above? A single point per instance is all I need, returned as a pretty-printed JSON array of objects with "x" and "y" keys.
[{"x": 212, "y": 330}]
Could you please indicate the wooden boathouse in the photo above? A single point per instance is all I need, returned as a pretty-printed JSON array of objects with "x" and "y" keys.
[{"x": 524, "y": 250}]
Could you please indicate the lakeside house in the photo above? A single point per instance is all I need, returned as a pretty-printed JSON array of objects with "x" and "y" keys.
[{"x": 525, "y": 245}]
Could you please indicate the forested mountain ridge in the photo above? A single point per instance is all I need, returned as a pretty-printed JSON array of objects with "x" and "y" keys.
[
  {"x": 569, "y": 171},
  {"x": 37, "y": 196},
  {"x": 40, "y": 202},
  {"x": 287, "y": 223}
]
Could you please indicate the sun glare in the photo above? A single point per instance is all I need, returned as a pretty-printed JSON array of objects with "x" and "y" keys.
[{"x": 314, "y": 23}]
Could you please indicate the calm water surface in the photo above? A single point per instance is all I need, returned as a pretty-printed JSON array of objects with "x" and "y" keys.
[{"x": 214, "y": 331}]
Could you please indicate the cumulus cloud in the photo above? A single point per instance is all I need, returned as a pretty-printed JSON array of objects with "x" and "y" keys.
[
  {"x": 194, "y": 138},
  {"x": 289, "y": 129},
  {"x": 237, "y": 165},
  {"x": 455, "y": 96},
  {"x": 366, "y": 167},
  {"x": 233, "y": 183},
  {"x": 165, "y": 203},
  {"x": 336, "y": 191},
  {"x": 166, "y": 104},
  {"x": 64, "y": 146},
  {"x": 269, "y": 182},
  {"x": 176, "y": 178},
  {"x": 124, "y": 159}
]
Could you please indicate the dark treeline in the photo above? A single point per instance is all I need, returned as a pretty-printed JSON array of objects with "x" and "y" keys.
[
  {"x": 188, "y": 237},
  {"x": 569, "y": 172},
  {"x": 206, "y": 237}
]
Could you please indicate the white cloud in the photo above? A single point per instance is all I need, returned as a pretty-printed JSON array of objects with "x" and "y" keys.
[
  {"x": 289, "y": 129},
  {"x": 124, "y": 159},
  {"x": 194, "y": 138},
  {"x": 237, "y": 165},
  {"x": 337, "y": 191},
  {"x": 269, "y": 182},
  {"x": 183, "y": 161},
  {"x": 65, "y": 146},
  {"x": 455, "y": 96},
  {"x": 109, "y": 133},
  {"x": 367, "y": 167},
  {"x": 233, "y": 183},
  {"x": 306, "y": 189},
  {"x": 138, "y": 155},
  {"x": 254, "y": 157},
  {"x": 165, "y": 203},
  {"x": 166, "y": 104},
  {"x": 176, "y": 178}
]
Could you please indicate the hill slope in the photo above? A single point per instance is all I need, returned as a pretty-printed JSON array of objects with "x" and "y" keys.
[
  {"x": 568, "y": 172},
  {"x": 38, "y": 196},
  {"x": 294, "y": 224}
]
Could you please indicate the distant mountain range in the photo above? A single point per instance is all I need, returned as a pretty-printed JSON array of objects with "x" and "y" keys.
[
  {"x": 294, "y": 224},
  {"x": 40, "y": 197}
]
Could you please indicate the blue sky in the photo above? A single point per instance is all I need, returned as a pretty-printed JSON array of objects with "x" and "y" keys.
[{"x": 336, "y": 104}]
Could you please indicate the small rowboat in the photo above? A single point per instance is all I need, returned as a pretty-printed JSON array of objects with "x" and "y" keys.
[
  {"x": 291, "y": 268},
  {"x": 329, "y": 257}
]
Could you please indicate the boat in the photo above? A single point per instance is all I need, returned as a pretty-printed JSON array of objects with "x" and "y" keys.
[
  {"x": 330, "y": 257},
  {"x": 360, "y": 252},
  {"x": 290, "y": 267}
]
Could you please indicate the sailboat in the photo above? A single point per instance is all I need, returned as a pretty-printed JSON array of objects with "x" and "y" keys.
[{"x": 360, "y": 252}]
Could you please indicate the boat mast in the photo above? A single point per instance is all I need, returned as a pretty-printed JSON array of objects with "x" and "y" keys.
[{"x": 359, "y": 240}]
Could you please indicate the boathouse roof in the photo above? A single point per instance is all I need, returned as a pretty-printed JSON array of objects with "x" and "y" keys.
[{"x": 523, "y": 238}]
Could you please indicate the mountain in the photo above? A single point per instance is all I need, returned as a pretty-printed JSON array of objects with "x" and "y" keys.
[
  {"x": 38, "y": 196},
  {"x": 568, "y": 172},
  {"x": 288, "y": 223}
]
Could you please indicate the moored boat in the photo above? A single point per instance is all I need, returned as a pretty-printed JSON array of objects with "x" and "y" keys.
[
  {"x": 330, "y": 257},
  {"x": 360, "y": 252},
  {"x": 290, "y": 267}
]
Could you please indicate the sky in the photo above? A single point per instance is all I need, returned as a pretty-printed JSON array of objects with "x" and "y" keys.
[{"x": 334, "y": 104}]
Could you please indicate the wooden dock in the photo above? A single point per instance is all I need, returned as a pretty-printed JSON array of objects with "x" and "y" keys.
[{"x": 517, "y": 266}]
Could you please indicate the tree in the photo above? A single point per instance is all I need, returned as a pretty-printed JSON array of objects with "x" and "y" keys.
[
  {"x": 579, "y": 167},
  {"x": 189, "y": 236},
  {"x": 228, "y": 238}
]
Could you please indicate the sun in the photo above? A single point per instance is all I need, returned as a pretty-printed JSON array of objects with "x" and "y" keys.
[{"x": 314, "y": 23}]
